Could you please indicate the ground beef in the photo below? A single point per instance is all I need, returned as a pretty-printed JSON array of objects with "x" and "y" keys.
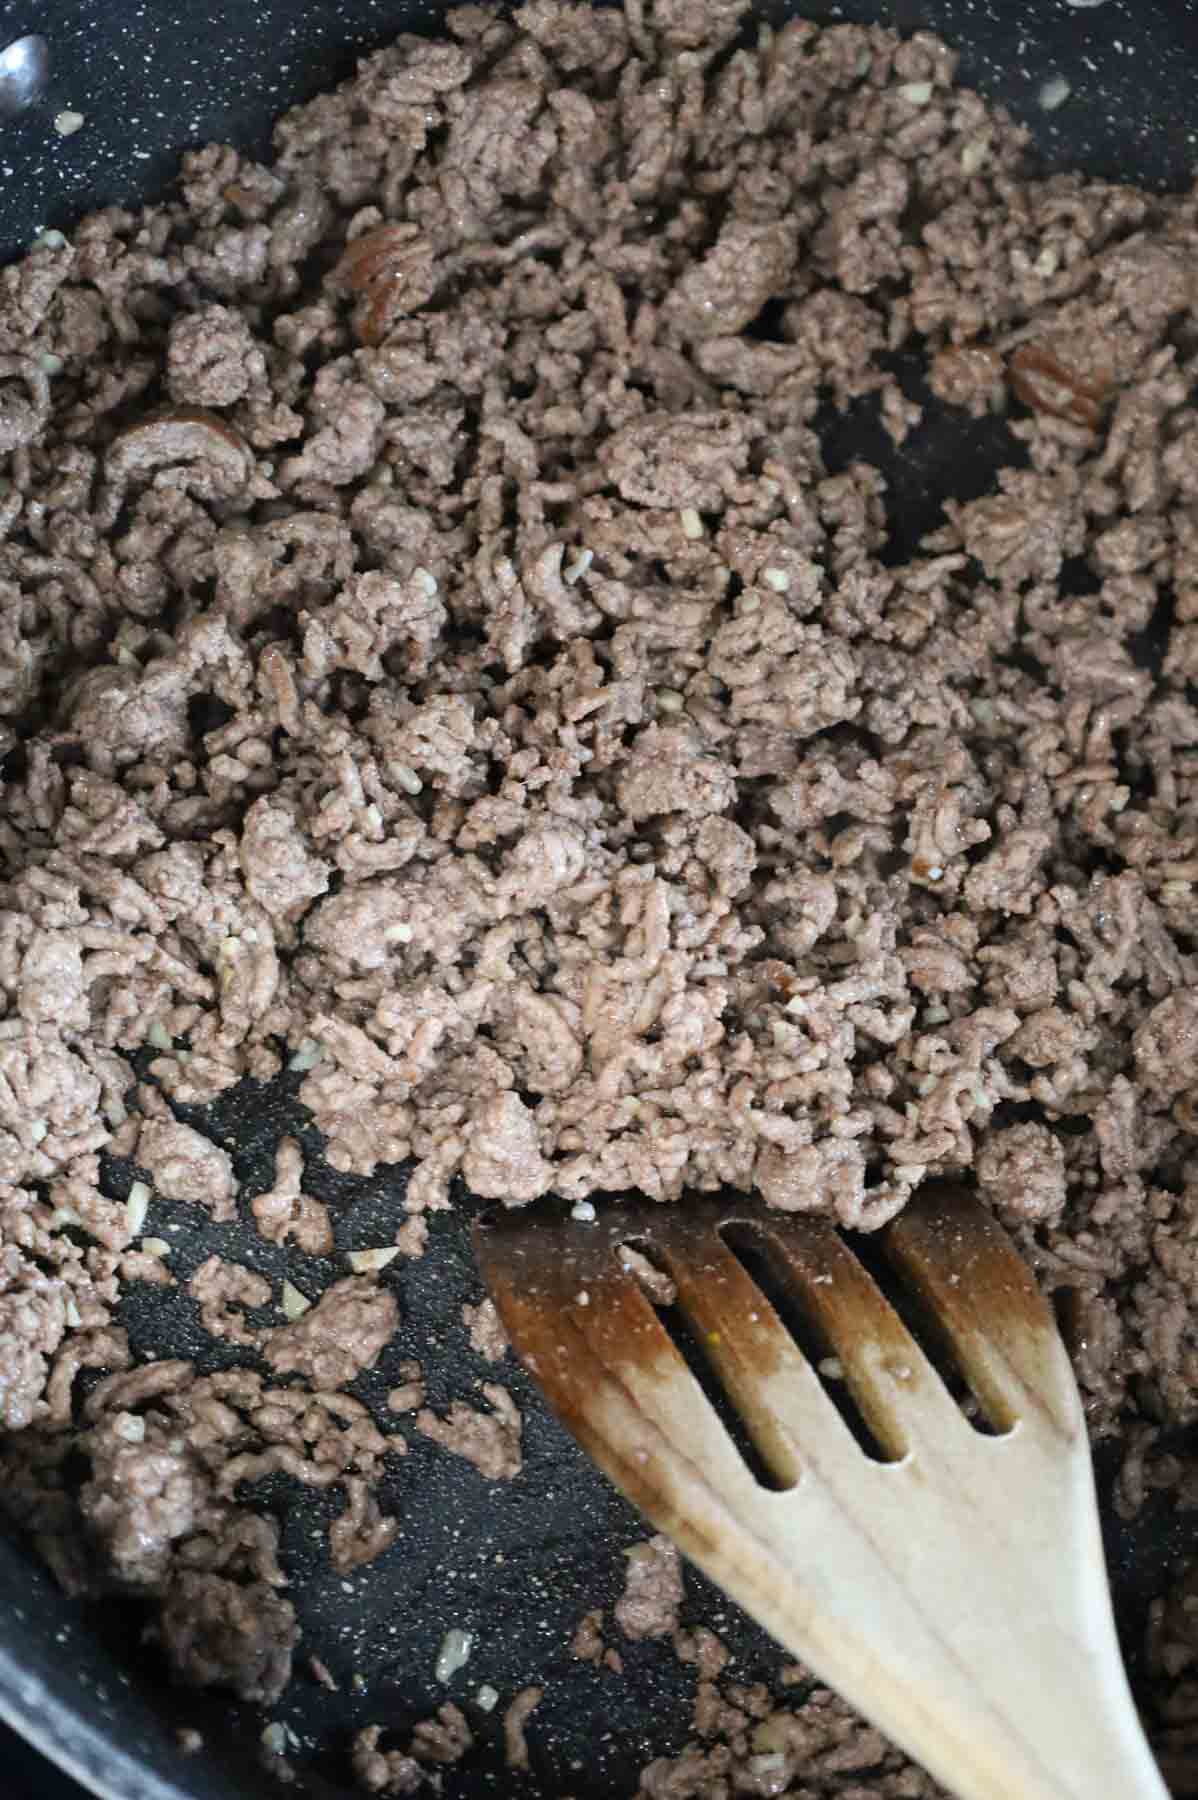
[
  {"x": 146, "y": 1491},
  {"x": 412, "y": 1236},
  {"x": 514, "y": 1720},
  {"x": 32, "y": 1323},
  {"x": 438, "y": 657},
  {"x": 748, "y": 1745},
  {"x": 488, "y": 1339},
  {"x": 504, "y": 1163},
  {"x": 587, "y": 1643},
  {"x": 337, "y": 1338},
  {"x": 588, "y": 1646},
  {"x": 212, "y": 358},
  {"x": 440, "y": 1741},
  {"x": 362, "y": 1533},
  {"x": 220, "y": 1633},
  {"x": 1021, "y": 1171},
  {"x": 383, "y": 1771},
  {"x": 702, "y": 1648},
  {"x": 284, "y": 1212},
  {"x": 222, "y": 1291},
  {"x": 445, "y": 1739},
  {"x": 183, "y": 1165},
  {"x": 410, "y": 1394},
  {"x": 648, "y": 1607},
  {"x": 489, "y": 1440}
]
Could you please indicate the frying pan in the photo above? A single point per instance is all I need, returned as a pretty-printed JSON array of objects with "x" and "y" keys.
[{"x": 515, "y": 1564}]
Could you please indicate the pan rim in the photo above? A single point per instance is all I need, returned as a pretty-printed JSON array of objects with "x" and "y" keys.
[{"x": 51, "y": 1725}]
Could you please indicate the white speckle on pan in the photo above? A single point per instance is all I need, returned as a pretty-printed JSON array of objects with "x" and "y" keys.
[{"x": 1054, "y": 93}]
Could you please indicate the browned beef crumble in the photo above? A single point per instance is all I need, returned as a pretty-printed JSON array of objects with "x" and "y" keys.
[
  {"x": 488, "y": 1339},
  {"x": 490, "y": 1440},
  {"x": 226, "y": 1632},
  {"x": 514, "y": 1721},
  {"x": 648, "y": 1607},
  {"x": 444, "y": 1739},
  {"x": 222, "y": 1290},
  {"x": 383, "y": 1771},
  {"x": 184, "y": 1165},
  {"x": 437, "y": 1741},
  {"x": 338, "y": 1337},
  {"x": 745, "y": 1744},
  {"x": 435, "y": 654},
  {"x": 702, "y": 1648},
  {"x": 284, "y": 1211},
  {"x": 587, "y": 1642},
  {"x": 411, "y": 1392}
]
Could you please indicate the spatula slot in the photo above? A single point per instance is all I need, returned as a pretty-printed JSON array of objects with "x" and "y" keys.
[
  {"x": 657, "y": 1285},
  {"x": 921, "y": 1321},
  {"x": 752, "y": 1250}
]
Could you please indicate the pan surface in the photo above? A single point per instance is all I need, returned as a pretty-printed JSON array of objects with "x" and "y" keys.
[{"x": 516, "y": 1564}]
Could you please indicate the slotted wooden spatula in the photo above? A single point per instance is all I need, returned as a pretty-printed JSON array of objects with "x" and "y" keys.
[{"x": 956, "y": 1594}]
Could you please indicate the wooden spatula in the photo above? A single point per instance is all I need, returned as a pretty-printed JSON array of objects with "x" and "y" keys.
[{"x": 956, "y": 1593}]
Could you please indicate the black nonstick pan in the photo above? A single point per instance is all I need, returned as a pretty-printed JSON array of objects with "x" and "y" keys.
[{"x": 517, "y": 1564}]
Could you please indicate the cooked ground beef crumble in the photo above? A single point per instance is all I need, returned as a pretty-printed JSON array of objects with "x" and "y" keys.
[{"x": 435, "y": 654}]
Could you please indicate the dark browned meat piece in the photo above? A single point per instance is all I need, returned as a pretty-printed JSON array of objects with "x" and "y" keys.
[{"x": 218, "y": 1633}]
